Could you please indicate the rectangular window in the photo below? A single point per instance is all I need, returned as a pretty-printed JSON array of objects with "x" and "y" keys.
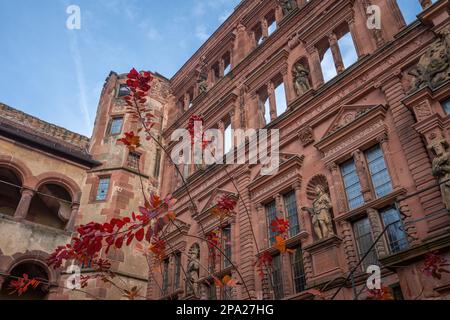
[
  {"x": 133, "y": 160},
  {"x": 228, "y": 138},
  {"x": 277, "y": 277},
  {"x": 165, "y": 280},
  {"x": 116, "y": 126},
  {"x": 226, "y": 245},
  {"x": 396, "y": 235},
  {"x": 446, "y": 106},
  {"x": 177, "y": 270},
  {"x": 272, "y": 27},
  {"x": 351, "y": 183},
  {"x": 271, "y": 214},
  {"x": 124, "y": 91},
  {"x": 102, "y": 189},
  {"x": 291, "y": 211},
  {"x": 378, "y": 171},
  {"x": 298, "y": 271},
  {"x": 364, "y": 240}
]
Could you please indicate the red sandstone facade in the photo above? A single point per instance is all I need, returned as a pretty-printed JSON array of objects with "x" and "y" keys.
[
  {"x": 368, "y": 136},
  {"x": 362, "y": 136}
]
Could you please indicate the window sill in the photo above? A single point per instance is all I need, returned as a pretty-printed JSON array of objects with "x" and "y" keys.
[{"x": 375, "y": 204}]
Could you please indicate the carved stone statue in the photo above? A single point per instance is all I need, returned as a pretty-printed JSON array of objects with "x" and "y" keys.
[
  {"x": 441, "y": 168},
  {"x": 202, "y": 82},
  {"x": 261, "y": 113},
  {"x": 193, "y": 269},
  {"x": 320, "y": 214},
  {"x": 287, "y": 5},
  {"x": 301, "y": 81},
  {"x": 433, "y": 68}
]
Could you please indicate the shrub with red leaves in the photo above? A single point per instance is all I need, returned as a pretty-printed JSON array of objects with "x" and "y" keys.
[
  {"x": 279, "y": 225},
  {"x": 21, "y": 285},
  {"x": 264, "y": 261}
]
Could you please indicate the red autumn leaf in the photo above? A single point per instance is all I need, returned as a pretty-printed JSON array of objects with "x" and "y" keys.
[
  {"x": 279, "y": 225},
  {"x": 140, "y": 234},
  {"x": 385, "y": 293},
  {"x": 280, "y": 245},
  {"x": 119, "y": 242}
]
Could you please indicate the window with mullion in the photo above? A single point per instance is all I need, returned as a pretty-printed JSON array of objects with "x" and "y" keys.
[
  {"x": 298, "y": 272},
  {"x": 102, "y": 189},
  {"x": 352, "y": 185},
  {"x": 378, "y": 171},
  {"x": 211, "y": 292},
  {"x": 290, "y": 204},
  {"x": 277, "y": 277},
  {"x": 116, "y": 126},
  {"x": 271, "y": 214},
  {"x": 364, "y": 240},
  {"x": 396, "y": 235}
]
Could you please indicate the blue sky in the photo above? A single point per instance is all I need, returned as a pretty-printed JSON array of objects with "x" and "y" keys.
[{"x": 57, "y": 74}]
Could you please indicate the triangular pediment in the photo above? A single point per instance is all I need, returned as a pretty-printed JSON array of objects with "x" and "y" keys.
[
  {"x": 175, "y": 228},
  {"x": 346, "y": 115}
]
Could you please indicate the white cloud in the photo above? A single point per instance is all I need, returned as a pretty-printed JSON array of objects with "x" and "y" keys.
[{"x": 201, "y": 32}]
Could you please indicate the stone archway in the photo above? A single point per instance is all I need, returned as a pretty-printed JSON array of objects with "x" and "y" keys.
[{"x": 10, "y": 190}]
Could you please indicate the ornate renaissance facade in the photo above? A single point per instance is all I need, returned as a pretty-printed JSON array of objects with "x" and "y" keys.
[{"x": 363, "y": 120}]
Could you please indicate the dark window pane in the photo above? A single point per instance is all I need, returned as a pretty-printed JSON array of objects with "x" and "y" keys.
[
  {"x": 277, "y": 277},
  {"x": 177, "y": 270},
  {"x": 446, "y": 106},
  {"x": 395, "y": 233},
  {"x": 298, "y": 272},
  {"x": 364, "y": 240},
  {"x": 378, "y": 171},
  {"x": 133, "y": 160},
  {"x": 226, "y": 238},
  {"x": 291, "y": 213},
  {"x": 165, "y": 284},
  {"x": 102, "y": 190},
  {"x": 124, "y": 90},
  {"x": 351, "y": 183}
]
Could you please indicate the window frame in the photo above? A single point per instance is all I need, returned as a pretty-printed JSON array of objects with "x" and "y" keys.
[
  {"x": 111, "y": 122},
  {"x": 97, "y": 188}
]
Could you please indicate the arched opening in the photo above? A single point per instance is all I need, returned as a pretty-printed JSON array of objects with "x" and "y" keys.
[
  {"x": 33, "y": 271},
  {"x": 10, "y": 186},
  {"x": 51, "y": 206}
]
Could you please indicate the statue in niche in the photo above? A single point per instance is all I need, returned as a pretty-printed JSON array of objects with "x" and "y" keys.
[
  {"x": 321, "y": 214},
  {"x": 433, "y": 68},
  {"x": 261, "y": 113},
  {"x": 193, "y": 270},
  {"x": 287, "y": 5},
  {"x": 441, "y": 168},
  {"x": 202, "y": 82},
  {"x": 301, "y": 81}
]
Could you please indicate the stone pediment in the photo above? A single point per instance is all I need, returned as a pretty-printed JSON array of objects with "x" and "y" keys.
[
  {"x": 289, "y": 172},
  {"x": 352, "y": 128},
  {"x": 176, "y": 229},
  {"x": 346, "y": 115},
  {"x": 214, "y": 197}
]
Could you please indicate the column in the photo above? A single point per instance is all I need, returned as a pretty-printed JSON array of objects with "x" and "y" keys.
[
  {"x": 72, "y": 220},
  {"x": 262, "y": 227},
  {"x": 221, "y": 67},
  {"x": 363, "y": 176},
  {"x": 300, "y": 213},
  {"x": 272, "y": 101},
  {"x": 24, "y": 204},
  {"x": 264, "y": 29},
  {"x": 315, "y": 67},
  {"x": 338, "y": 189},
  {"x": 377, "y": 228},
  {"x": 354, "y": 34},
  {"x": 348, "y": 245},
  {"x": 337, "y": 57}
]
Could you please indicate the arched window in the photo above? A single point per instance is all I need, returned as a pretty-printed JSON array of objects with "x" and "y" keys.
[
  {"x": 50, "y": 206},
  {"x": 10, "y": 186}
]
